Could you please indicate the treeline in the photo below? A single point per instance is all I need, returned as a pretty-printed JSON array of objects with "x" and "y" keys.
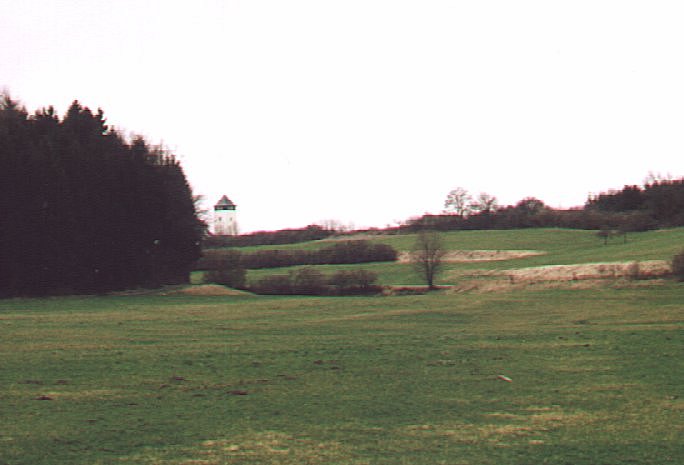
[
  {"x": 657, "y": 205},
  {"x": 284, "y": 236},
  {"x": 662, "y": 201},
  {"x": 339, "y": 253},
  {"x": 514, "y": 217},
  {"x": 84, "y": 210}
]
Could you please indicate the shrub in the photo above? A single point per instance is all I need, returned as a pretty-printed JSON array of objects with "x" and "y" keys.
[
  {"x": 350, "y": 282},
  {"x": 678, "y": 266},
  {"x": 308, "y": 281},
  {"x": 356, "y": 252},
  {"x": 275, "y": 258},
  {"x": 277, "y": 284},
  {"x": 227, "y": 270}
]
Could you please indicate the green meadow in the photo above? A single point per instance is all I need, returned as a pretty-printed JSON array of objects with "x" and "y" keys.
[
  {"x": 554, "y": 376},
  {"x": 558, "y": 247}
]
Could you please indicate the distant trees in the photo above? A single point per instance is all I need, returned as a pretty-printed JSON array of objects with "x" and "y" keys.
[
  {"x": 427, "y": 256},
  {"x": 461, "y": 203},
  {"x": 485, "y": 203},
  {"x": 336, "y": 226},
  {"x": 659, "y": 203},
  {"x": 458, "y": 201},
  {"x": 530, "y": 206},
  {"x": 84, "y": 210}
]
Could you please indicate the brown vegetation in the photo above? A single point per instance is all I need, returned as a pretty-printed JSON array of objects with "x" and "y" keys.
[
  {"x": 310, "y": 281},
  {"x": 576, "y": 276},
  {"x": 337, "y": 253},
  {"x": 206, "y": 290},
  {"x": 466, "y": 256},
  {"x": 637, "y": 269}
]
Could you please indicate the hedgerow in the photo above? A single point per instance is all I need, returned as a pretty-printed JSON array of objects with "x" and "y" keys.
[
  {"x": 310, "y": 281},
  {"x": 339, "y": 253}
]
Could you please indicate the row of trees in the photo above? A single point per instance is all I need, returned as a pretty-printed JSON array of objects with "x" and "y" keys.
[
  {"x": 662, "y": 200},
  {"x": 82, "y": 209},
  {"x": 660, "y": 203},
  {"x": 462, "y": 204}
]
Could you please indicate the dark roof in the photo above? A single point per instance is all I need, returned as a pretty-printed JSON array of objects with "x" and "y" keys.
[{"x": 225, "y": 201}]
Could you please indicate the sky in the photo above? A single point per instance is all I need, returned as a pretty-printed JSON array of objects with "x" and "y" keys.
[{"x": 368, "y": 112}]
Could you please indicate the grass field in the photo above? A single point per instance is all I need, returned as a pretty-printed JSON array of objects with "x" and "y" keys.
[
  {"x": 596, "y": 375},
  {"x": 559, "y": 247}
]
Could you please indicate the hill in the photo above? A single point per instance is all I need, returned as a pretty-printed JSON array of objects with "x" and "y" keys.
[{"x": 550, "y": 247}]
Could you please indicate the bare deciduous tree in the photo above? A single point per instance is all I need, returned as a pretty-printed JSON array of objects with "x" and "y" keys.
[
  {"x": 458, "y": 201},
  {"x": 485, "y": 203},
  {"x": 335, "y": 226},
  {"x": 427, "y": 256}
]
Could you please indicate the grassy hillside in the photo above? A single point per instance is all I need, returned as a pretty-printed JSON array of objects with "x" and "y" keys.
[
  {"x": 549, "y": 239},
  {"x": 560, "y": 246},
  {"x": 596, "y": 376}
]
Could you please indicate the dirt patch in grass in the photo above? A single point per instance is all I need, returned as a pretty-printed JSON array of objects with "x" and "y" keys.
[
  {"x": 267, "y": 448},
  {"x": 468, "y": 256},
  {"x": 527, "y": 425},
  {"x": 587, "y": 271},
  {"x": 206, "y": 290},
  {"x": 192, "y": 289},
  {"x": 577, "y": 276},
  {"x": 505, "y": 285},
  {"x": 86, "y": 394}
]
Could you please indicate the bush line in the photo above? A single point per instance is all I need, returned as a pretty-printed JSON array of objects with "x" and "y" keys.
[
  {"x": 340, "y": 253},
  {"x": 309, "y": 281}
]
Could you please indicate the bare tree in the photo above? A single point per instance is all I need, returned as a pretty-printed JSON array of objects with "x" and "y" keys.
[
  {"x": 336, "y": 226},
  {"x": 427, "y": 256},
  {"x": 485, "y": 203},
  {"x": 458, "y": 201}
]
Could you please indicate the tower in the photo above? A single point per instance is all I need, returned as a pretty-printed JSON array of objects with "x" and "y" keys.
[{"x": 225, "y": 221}]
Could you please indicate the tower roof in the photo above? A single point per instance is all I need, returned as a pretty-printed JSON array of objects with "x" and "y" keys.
[{"x": 225, "y": 202}]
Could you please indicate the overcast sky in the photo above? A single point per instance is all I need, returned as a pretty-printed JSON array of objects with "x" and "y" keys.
[{"x": 368, "y": 111}]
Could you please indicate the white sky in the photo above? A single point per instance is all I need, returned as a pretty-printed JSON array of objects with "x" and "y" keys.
[{"x": 368, "y": 111}]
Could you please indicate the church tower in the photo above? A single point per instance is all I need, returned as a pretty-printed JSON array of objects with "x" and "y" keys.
[{"x": 225, "y": 221}]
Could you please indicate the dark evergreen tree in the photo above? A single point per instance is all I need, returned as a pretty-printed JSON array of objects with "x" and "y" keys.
[{"x": 84, "y": 210}]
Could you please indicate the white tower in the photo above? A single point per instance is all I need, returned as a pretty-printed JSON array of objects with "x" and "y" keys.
[{"x": 225, "y": 221}]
